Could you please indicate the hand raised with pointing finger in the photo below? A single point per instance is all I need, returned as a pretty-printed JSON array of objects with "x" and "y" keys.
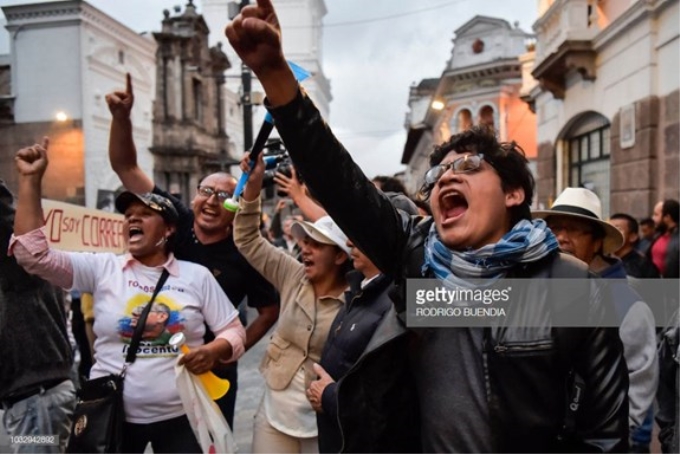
[
  {"x": 32, "y": 161},
  {"x": 121, "y": 102}
]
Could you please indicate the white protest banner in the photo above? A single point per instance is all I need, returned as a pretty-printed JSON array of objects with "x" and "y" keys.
[{"x": 75, "y": 228}]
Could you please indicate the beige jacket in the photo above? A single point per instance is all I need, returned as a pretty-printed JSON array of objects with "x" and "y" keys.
[{"x": 304, "y": 321}]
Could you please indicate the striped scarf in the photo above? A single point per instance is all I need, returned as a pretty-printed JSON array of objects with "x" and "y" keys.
[{"x": 528, "y": 241}]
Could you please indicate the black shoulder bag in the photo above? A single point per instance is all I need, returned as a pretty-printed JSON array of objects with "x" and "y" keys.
[{"x": 99, "y": 415}]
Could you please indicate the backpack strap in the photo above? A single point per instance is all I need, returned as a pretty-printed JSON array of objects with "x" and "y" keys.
[{"x": 141, "y": 322}]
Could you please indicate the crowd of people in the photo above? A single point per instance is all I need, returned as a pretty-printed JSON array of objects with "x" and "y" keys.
[{"x": 343, "y": 370}]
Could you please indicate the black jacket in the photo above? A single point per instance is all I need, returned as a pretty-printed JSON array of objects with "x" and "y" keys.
[
  {"x": 639, "y": 266},
  {"x": 34, "y": 345},
  {"x": 528, "y": 372},
  {"x": 364, "y": 354},
  {"x": 667, "y": 416}
]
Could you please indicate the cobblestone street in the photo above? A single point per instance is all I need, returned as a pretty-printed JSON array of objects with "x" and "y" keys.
[{"x": 251, "y": 388}]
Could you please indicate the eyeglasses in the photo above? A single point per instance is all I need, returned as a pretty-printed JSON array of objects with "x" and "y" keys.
[
  {"x": 207, "y": 192},
  {"x": 465, "y": 164}
]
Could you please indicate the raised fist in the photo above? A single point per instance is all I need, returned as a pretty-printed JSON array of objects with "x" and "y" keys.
[{"x": 32, "y": 160}]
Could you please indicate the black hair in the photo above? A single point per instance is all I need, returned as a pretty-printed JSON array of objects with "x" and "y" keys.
[
  {"x": 347, "y": 265},
  {"x": 507, "y": 158},
  {"x": 390, "y": 184},
  {"x": 649, "y": 222},
  {"x": 632, "y": 223},
  {"x": 423, "y": 205},
  {"x": 671, "y": 208}
]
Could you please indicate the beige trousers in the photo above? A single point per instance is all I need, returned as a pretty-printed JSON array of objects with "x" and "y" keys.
[{"x": 267, "y": 439}]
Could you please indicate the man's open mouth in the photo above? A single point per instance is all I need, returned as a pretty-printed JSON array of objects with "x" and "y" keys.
[{"x": 453, "y": 205}]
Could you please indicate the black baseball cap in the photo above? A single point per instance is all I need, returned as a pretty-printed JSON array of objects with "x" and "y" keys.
[{"x": 156, "y": 202}]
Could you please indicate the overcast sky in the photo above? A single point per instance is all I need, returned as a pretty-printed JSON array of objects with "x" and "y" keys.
[{"x": 373, "y": 51}]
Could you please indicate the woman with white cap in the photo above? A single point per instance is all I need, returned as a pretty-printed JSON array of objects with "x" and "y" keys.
[
  {"x": 311, "y": 292},
  {"x": 122, "y": 285}
]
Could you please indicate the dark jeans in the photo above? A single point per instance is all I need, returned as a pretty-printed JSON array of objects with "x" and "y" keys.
[
  {"x": 172, "y": 435},
  {"x": 641, "y": 436},
  {"x": 227, "y": 403}
]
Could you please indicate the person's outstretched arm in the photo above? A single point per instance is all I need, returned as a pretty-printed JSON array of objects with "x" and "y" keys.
[
  {"x": 122, "y": 150},
  {"x": 255, "y": 35},
  {"x": 364, "y": 214},
  {"x": 31, "y": 163},
  {"x": 296, "y": 191},
  {"x": 273, "y": 263},
  {"x": 29, "y": 244}
]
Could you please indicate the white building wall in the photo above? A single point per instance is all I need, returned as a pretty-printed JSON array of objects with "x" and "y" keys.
[
  {"x": 668, "y": 47},
  {"x": 507, "y": 43},
  {"x": 109, "y": 51},
  {"x": 66, "y": 57},
  {"x": 46, "y": 72},
  {"x": 548, "y": 118},
  {"x": 419, "y": 109}
]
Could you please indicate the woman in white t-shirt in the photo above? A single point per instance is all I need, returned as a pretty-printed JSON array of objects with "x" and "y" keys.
[{"x": 122, "y": 285}]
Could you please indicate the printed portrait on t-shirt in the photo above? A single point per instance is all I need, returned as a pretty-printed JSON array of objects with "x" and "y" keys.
[{"x": 163, "y": 321}]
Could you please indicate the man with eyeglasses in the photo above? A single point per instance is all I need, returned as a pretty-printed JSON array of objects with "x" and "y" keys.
[
  {"x": 480, "y": 389},
  {"x": 204, "y": 235}
]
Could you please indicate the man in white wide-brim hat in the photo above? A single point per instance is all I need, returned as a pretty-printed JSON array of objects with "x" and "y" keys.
[{"x": 576, "y": 220}]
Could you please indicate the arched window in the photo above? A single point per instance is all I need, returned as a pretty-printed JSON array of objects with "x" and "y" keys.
[
  {"x": 586, "y": 156},
  {"x": 486, "y": 116},
  {"x": 464, "y": 120}
]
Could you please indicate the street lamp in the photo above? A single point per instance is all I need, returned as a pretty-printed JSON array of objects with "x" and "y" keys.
[{"x": 437, "y": 104}]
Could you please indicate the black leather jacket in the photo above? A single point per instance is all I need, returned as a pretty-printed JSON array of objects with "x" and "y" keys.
[{"x": 529, "y": 373}]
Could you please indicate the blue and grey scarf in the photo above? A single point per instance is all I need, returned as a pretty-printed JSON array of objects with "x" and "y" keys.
[{"x": 527, "y": 242}]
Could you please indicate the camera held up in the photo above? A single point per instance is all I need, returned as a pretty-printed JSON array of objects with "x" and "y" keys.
[{"x": 278, "y": 161}]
